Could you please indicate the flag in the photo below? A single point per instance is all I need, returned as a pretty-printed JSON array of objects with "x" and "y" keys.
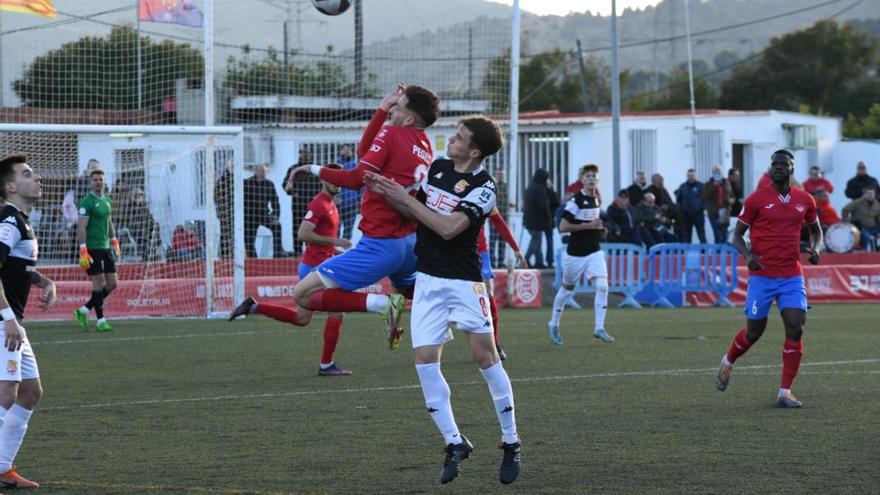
[
  {"x": 169, "y": 11},
  {"x": 36, "y": 7}
]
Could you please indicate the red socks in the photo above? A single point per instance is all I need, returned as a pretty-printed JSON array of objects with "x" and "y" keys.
[
  {"x": 792, "y": 352},
  {"x": 331, "y": 337},
  {"x": 493, "y": 308},
  {"x": 279, "y": 313},
  {"x": 338, "y": 301},
  {"x": 739, "y": 346}
]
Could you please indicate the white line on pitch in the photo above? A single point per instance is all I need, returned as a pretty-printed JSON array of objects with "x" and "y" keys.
[
  {"x": 153, "y": 337},
  {"x": 456, "y": 384}
]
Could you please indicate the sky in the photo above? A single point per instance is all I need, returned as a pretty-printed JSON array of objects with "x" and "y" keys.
[{"x": 563, "y": 7}]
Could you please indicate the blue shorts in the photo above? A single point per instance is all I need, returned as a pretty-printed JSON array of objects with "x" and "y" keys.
[
  {"x": 486, "y": 269},
  {"x": 303, "y": 270},
  {"x": 789, "y": 293},
  {"x": 371, "y": 260}
]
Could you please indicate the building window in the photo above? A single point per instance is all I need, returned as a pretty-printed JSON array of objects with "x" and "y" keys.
[
  {"x": 710, "y": 152},
  {"x": 799, "y": 136},
  {"x": 643, "y": 151},
  {"x": 547, "y": 150}
]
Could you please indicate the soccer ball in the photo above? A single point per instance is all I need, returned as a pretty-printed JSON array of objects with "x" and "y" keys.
[{"x": 331, "y": 7}]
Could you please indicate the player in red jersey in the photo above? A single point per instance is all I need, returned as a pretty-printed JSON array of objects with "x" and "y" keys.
[
  {"x": 775, "y": 215},
  {"x": 503, "y": 230},
  {"x": 319, "y": 229},
  {"x": 401, "y": 152}
]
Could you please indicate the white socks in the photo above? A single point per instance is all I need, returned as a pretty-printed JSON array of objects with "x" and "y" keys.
[
  {"x": 559, "y": 304},
  {"x": 600, "y": 304},
  {"x": 376, "y": 303},
  {"x": 437, "y": 394},
  {"x": 502, "y": 395},
  {"x": 15, "y": 424}
]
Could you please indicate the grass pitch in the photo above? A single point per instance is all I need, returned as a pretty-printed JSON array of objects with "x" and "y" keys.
[{"x": 204, "y": 407}]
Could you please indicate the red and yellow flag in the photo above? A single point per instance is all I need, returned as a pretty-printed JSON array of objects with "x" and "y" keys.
[{"x": 35, "y": 7}]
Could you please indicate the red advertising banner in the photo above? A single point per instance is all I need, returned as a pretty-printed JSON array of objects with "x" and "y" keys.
[
  {"x": 825, "y": 284},
  {"x": 186, "y": 296}
]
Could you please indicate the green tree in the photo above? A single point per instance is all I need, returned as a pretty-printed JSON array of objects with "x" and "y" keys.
[
  {"x": 867, "y": 128},
  {"x": 101, "y": 73},
  {"x": 675, "y": 93},
  {"x": 821, "y": 67}
]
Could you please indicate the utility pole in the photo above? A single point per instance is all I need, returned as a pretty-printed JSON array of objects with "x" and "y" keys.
[
  {"x": 359, "y": 47},
  {"x": 615, "y": 99},
  {"x": 584, "y": 93}
]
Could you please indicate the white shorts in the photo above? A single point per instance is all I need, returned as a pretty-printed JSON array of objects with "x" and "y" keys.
[
  {"x": 441, "y": 302},
  {"x": 592, "y": 265},
  {"x": 18, "y": 365}
]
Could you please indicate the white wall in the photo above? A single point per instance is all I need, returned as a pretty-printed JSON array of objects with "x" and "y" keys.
[{"x": 846, "y": 154}]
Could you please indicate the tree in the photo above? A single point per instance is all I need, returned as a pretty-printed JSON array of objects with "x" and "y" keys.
[
  {"x": 867, "y": 128},
  {"x": 101, "y": 73},
  {"x": 821, "y": 67},
  {"x": 551, "y": 81},
  {"x": 675, "y": 93}
]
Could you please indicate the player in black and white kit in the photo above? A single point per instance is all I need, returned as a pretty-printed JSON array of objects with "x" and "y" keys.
[
  {"x": 20, "y": 387},
  {"x": 451, "y": 207},
  {"x": 584, "y": 255}
]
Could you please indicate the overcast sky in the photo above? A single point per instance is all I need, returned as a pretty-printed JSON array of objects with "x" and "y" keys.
[{"x": 563, "y": 7}]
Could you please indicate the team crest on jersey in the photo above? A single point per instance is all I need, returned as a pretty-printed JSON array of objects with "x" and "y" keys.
[
  {"x": 12, "y": 366},
  {"x": 480, "y": 289},
  {"x": 800, "y": 208},
  {"x": 7, "y": 232},
  {"x": 309, "y": 214},
  {"x": 460, "y": 186}
]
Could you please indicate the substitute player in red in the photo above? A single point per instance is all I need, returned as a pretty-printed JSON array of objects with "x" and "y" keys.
[
  {"x": 775, "y": 215},
  {"x": 401, "y": 152},
  {"x": 504, "y": 232},
  {"x": 319, "y": 229}
]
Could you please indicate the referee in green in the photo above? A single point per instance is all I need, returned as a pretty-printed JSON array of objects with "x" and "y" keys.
[{"x": 98, "y": 250}]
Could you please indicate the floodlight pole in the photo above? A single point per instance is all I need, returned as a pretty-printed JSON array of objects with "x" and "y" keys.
[
  {"x": 615, "y": 101},
  {"x": 687, "y": 30},
  {"x": 584, "y": 92}
]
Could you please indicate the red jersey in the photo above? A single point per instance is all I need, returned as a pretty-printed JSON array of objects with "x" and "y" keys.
[
  {"x": 775, "y": 223},
  {"x": 325, "y": 217},
  {"x": 403, "y": 154}
]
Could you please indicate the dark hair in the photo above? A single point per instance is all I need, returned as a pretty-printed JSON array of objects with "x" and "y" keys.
[
  {"x": 691, "y": 170},
  {"x": 7, "y": 173},
  {"x": 815, "y": 167},
  {"x": 486, "y": 135},
  {"x": 96, "y": 171},
  {"x": 590, "y": 167},
  {"x": 623, "y": 193},
  {"x": 784, "y": 152},
  {"x": 424, "y": 102}
]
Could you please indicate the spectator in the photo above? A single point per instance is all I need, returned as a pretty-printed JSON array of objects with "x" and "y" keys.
[
  {"x": 349, "y": 200},
  {"x": 497, "y": 246},
  {"x": 223, "y": 202},
  {"x": 537, "y": 216},
  {"x": 121, "y": 193},
  {"x": 622, "y": 216},
  {"x": 637, "y": 189},
  {"x": 817, "y": 182},
  {"x": 855, "y": 187},
  {"x": 83, "y": 183},
  {"x": 691, "y": 204},
  {"x": 864, "y": 213},
  {"x": 556, "y": 208},
  {"x": 301, "y": 193},
  {"x": 663, "y": 199},
  {"x": 141, "y": 225},
  {"x": 261, "y": 207},
  {"x": 186, "y": 244},
  {"x": 719, "y": 198},
  {"x": 735, "y": 179},
  {"x": 827, "y": 214},
  {"x": 655, "y": 225}
]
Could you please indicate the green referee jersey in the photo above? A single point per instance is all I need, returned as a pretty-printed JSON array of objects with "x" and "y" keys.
[{"x": 97, "y": 210}]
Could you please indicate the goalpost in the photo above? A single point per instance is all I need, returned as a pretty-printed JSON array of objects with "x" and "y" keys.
[{"x": 176, "y": 195}]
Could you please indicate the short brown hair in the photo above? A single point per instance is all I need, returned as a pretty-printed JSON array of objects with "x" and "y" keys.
[
  {"x": 7, "y": 173},
  {"x": 97, "y": 171},
  {"x": 486, "y": 135},
  {"x": 590, "y": 167},
  {"x": 424, "y": 103}
]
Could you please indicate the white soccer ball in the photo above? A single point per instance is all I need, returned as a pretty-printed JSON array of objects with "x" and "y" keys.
[{"x": 331, "y": 7}]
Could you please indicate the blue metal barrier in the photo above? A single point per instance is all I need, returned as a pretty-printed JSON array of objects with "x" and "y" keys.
[
  {"x": 692, "y": 268},
  {"x": 625, "y": 272}
]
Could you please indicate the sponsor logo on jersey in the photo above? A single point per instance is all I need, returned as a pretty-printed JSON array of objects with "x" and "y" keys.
[
  {"x": 460, "y": 186},
  {"x": 375, "y": 148},
  {"x": 7, "y": 232},
  {"x": 309, "y": 214},
  {"x": 419, "y": 152},
  {"x": 82, "y": 211},
  {"x": 12, "y": 366},
  {"x": 440, "y": 200},
  {"x": 439, "y": 175}
]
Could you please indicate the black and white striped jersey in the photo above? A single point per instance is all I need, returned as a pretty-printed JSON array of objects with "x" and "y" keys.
[
  {"x": 18, "y": 257},
  {"x": 446, "y": 191},
  {"x": 582, "y": 209}
]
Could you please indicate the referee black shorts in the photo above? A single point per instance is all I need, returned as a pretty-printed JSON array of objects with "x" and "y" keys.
[{"x": 102, "y": 262}]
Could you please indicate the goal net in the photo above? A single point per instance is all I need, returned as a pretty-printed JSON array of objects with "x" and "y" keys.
[{"x": 172, "y": 211}]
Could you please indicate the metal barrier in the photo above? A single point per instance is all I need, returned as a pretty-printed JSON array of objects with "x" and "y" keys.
[
  {"x": 625, "y": 272},
  {"x": 692, "y": 268}
]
